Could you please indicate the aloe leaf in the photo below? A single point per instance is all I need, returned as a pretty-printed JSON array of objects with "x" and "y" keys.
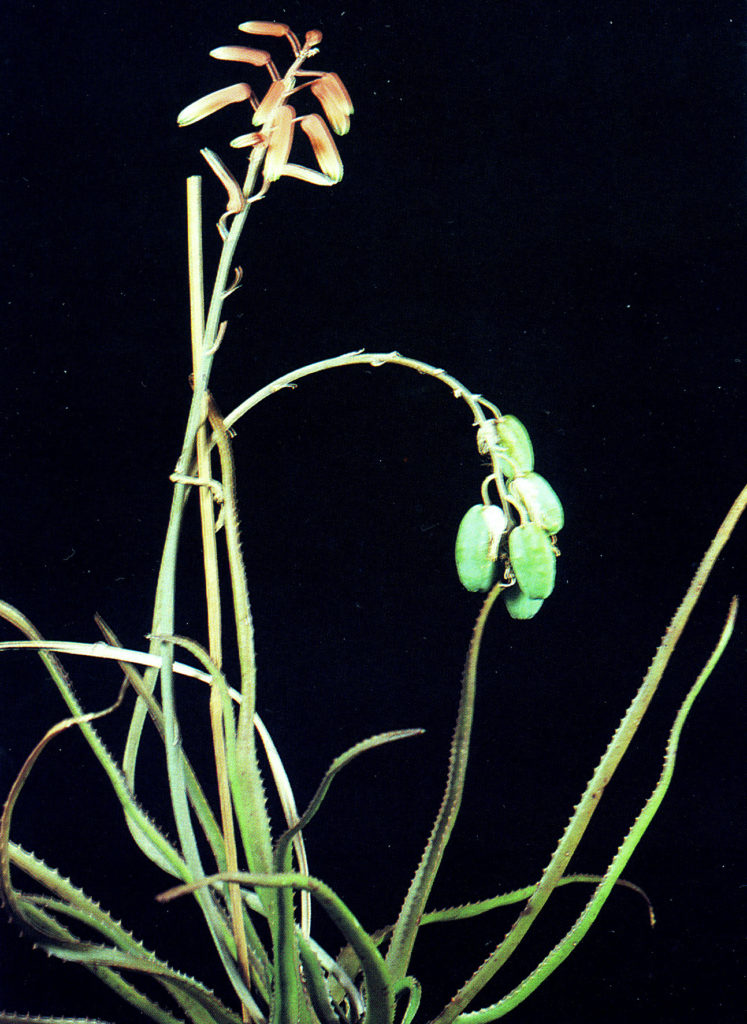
[
  {"x": 148, "y": 838},
  {"x": 506, "y": 899},
  {"x": 126, "y": 952},
  {"x": 378, "y": 980},
  {"x": 337, "y": 765},
  {"x": 590, "y": 912},
  {"x": 408, "y": 922},
  {"x": 605, "y": 769}
]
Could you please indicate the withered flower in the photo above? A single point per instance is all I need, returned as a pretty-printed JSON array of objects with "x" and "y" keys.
[{"x": 236, "y": 197}]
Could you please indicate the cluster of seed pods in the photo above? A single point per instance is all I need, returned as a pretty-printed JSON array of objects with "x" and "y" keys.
[{"x": 518, "y": 536}]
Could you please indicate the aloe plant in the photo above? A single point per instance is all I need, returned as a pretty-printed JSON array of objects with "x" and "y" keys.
[{"x": 245, "y": 866}]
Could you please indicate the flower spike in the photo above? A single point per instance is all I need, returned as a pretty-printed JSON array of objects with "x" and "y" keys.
[
  {"x": 274, "y": 120},
  {"x": 214, "y": 101}
]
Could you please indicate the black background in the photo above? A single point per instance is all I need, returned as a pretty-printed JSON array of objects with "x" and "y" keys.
[{"x": 547, "y": 199}]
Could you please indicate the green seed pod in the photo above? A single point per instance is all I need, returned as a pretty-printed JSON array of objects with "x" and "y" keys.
[
  {"x": 477, "y": 546},
  {"x": 532, "y": 560},
  {"x": 519, "y": 452},
  {"x": 518, "y": 605},
  {"x": 540, "y": 500}
]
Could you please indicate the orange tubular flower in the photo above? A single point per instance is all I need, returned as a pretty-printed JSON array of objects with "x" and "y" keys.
[
  {"x": 307, "y": 174},
  {"x": 264, "y": 28},
  {"x": 272, "y": 99},
  {"x": 335, "y": 101},
  {"x": 242, "y": 141},
  {"x": 271, "y": 28},
  {"x": 323, "y": 145},
  {"x": 279, "y": 143},
  {"x": 214, "y": 101},
  {"x": 274, "y": 119},
  {"x": 259, "y": 58}
]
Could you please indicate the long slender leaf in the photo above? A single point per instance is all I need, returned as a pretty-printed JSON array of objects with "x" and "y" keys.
[{"x": 379, "y": 983}]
